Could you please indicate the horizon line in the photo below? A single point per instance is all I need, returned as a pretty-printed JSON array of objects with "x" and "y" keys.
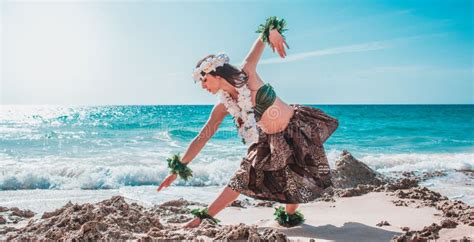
[{"x": 211, "y": 104}]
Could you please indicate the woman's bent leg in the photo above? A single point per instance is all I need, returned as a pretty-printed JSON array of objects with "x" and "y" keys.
[{"x": 226, "y": 197}]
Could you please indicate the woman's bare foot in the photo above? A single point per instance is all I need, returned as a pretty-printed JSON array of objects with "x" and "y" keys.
[{"x": 193, "y": 223}]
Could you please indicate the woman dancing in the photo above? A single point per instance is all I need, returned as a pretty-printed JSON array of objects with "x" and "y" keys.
[{"x": 285, "y": 160}]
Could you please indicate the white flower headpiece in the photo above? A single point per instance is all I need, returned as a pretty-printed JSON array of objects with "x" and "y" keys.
[{"x": 210, "y": 64}]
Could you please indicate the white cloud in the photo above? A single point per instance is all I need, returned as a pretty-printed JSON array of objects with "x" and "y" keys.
[
  {"x": 421, "y": 70},
  {"x": 370, "y": 46}
]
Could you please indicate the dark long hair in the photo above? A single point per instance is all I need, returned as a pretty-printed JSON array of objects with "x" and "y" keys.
[{"x": 233, "y": 75}]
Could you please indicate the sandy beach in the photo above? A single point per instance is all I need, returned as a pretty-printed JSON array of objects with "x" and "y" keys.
[{"x": 362, "y": 206}]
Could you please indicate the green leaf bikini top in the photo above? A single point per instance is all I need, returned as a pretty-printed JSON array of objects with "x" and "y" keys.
[{"x": 264, "y": 99}]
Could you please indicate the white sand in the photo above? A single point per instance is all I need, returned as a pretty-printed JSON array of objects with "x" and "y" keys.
[{"x": 349, "y": 219}]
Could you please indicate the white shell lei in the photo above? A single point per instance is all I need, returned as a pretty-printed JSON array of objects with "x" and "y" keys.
[{"x": 242, "y": 109}]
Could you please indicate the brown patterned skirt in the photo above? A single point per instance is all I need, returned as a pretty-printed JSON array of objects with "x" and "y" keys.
[{"x": 289, "y": 166}]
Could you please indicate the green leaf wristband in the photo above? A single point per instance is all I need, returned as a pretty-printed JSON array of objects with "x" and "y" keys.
[
  {"x": 175, "y": 166},
  {"x": 202, "y": 214},
  {"x": 271, "y": 23}
]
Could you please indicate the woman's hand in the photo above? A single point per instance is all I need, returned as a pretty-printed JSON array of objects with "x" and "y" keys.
[
  {"x": 277, "y": 42},
  {"x": 168, "y": 180},
  {"x": 193, "y": 223}
]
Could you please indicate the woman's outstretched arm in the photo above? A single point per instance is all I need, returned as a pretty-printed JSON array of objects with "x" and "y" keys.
[
  {"x": 277, "y": 42},
  {"x": 251, "y": 60},
  {"x": 218, "y": 114}
]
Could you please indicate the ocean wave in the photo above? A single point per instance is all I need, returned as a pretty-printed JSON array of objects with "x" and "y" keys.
[
  {"x": 63, "y": 176},
  {"x": 419, "y": 161},
  {"x": 208, "y": 170}
]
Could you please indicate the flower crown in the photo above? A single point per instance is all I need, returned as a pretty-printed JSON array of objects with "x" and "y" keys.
[{"x": 210, "y": 64}]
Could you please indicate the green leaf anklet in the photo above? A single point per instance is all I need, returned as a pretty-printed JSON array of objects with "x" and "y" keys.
[
  {"x": 288, "y": 220},
  {"x": 202, "y": 214},
  {"x": 175, "y": 165}
]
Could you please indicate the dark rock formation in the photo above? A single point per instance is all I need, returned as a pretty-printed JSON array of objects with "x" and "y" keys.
[{"x": 349, "y": 172}]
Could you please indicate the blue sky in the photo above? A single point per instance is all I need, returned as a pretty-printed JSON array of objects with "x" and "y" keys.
[{"x": 143, "y": 52}]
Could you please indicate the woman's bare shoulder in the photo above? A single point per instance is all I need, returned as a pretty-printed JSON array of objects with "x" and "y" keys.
[
  {"x": 248, "y": 70},
  {"x": 254, "y": 81}
]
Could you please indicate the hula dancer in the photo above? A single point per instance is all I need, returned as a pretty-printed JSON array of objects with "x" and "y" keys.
[{"x": 285, "y": 160}]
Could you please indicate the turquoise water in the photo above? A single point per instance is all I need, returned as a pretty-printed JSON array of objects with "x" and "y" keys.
[{"x": 103, "y": 147}]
